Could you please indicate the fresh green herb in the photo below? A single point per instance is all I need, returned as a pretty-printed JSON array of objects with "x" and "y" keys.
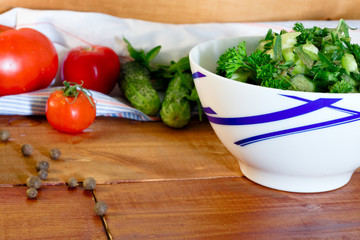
[
  {"x": 324, "y": 57},
  {"x": 269, "y": 35},
  {"x": 278, "y": 56},
  {"x": 314, "y": 35},
  {"x": 342, "y": 86},
  {"x": 232, "y": 60},
  {"x": 263, "y": 70},
  {"x": 140, "y": 55}
]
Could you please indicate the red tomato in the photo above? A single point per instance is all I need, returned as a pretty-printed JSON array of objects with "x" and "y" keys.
[
  {"x": 97, "y": 66},
  {"x": 68, "y": 113},
  {"x": 28, "y": 61}
]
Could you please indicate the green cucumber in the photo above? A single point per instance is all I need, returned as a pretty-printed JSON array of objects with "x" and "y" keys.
[
  {"x": 136, "y": 86},
  {"x": 302, "y": 83},
  {"x": 349, "y": 63},
  {"x": 176, "y": 110}
]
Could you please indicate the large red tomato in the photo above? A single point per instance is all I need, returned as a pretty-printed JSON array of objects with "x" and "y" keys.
[
  {"x": 98, "y": 67},
  {"x": 28, "y": 61},
  {"x": 70, "y": 110}
]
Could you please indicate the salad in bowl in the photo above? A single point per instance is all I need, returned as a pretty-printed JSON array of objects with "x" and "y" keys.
[{"x": 286, "y": 105}]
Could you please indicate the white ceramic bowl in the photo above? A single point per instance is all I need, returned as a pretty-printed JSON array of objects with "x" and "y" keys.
[{"x": 286, "y": 140}]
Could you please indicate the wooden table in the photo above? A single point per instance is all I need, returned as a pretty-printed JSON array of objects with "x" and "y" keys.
[{"x": 159, "y": 183}]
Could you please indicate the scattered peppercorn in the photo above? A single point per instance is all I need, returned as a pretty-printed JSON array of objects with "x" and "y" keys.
[
  {"x": 43, "y": 174},
  {"x": 31, "y": 193},
  {"x": 4, "y": 135},
  {"x": 89, "y": 183},
  {"x": 42, "y": 165},
  {"x": 27, "y": 150},
  {"x": 33, "y": 182},
  {"x": 72, "y": 182},
  {"x": 100, "y": 208},
  {"x": 55, "y": 154}
]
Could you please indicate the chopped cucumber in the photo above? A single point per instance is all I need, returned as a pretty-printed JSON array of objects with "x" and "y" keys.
[
  {"x": 329, "y": 48},
  {"x": 289, "y": 54},
  {"x": 349, "y": 63},
  {"x": 308, "y": 59},
  {"x": 302, "y": 83},
  {"x": 299, "y": 67},
  {"x": 241, "y": 76},
  {"x": 311, "y": 50},
  {"x": 261, "y": 46},
  {"x": 288, "y": 40},
  {"x": 271, "y": 53}
]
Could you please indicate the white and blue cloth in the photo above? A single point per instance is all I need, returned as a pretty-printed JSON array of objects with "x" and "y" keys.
[{"x": 69, "y": 29}]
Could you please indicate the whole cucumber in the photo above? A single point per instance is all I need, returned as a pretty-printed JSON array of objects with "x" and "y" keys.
[
  {"x": 136, "y": 86},
  {"x": 175, "y": 109}
]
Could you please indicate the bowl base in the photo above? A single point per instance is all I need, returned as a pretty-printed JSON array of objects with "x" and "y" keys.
[{"x": 299, "y": 184}]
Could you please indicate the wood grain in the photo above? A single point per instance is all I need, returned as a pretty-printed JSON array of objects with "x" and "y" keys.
[
  {"x": 189, "y": 11},
  {"x": 229, "y": 208},
  {"x": 57, "y": 213},
  {"x": 114, "y": 150}
]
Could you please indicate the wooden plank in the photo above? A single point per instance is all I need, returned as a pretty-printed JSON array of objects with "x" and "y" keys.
[
  {"x": 189, "y": 11},
  {"x": 229, "y": 208},
  {"x": 115, "y": 150},
  {"x": 57, "y": 213}
]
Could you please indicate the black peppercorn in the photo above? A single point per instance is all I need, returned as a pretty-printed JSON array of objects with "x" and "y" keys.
[
  {"x": 27, "y": 150},
  {"x": 4, "y": 135},
  {"x": 43, "y": 174},
  {"x": 31, "y": 193},
  {"x": 33, "y": 182},
  {"x": 89, "y": 183},
  {"x": 72, "y": 182},
  {"x": 42, "y": 165},
  {"x": 55, "y": 154},
  {"x": 100, "y": 208}
]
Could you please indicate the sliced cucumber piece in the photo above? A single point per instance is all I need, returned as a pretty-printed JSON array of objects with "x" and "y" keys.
[
  {"x": 289, "y": 54},
  {"x": 261, "y": 46},
  {"x": 271, "y": 53},
  {"x": 302, "y": 83},
  {"x": 288, "y": 40},
  {"x": 311, "y": 50},
  {"x": 349, "y": 63},
  {"x": 299, "y": 67},
  {"x": 241, "y": 76}
]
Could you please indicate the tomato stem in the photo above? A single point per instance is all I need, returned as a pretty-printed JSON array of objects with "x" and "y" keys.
[
  {"x": 72, "y": 90},
  {"x": 89, "y": 48}
]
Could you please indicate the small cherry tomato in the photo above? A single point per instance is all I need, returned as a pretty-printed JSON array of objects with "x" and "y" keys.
[
  {"x": 70, "y": 110},
  {"x": 97, "y": 66},
  {"x": 28, "y": 60}
]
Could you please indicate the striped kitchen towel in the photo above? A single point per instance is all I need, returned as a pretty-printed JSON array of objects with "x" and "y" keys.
[
  {"x": 33, "y": 103},
  {"x": 69, "y": 29}
]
